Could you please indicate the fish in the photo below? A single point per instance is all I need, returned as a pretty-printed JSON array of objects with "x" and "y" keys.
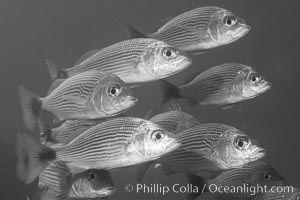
[
  {"x": 135, "y": 61},
  {"x": 222, "y": 85},
  {"x": 113, "y": 144},
  {"x": 88, "y": 184},
  {"x": 199, "y": 30},
  {"x": 89, "y": 95},
  {"x": 253, "y": 174},
  {"x": 223, "y": 144},
  {"x": 287, "y": 193},
  {"x": 207, "y": 149}
]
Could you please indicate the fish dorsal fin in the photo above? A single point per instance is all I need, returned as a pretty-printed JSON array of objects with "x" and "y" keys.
[
  {"x": 86, "y": 55},
  {"x": 74, "y": 169},
  {"x": 134, "y": 33},
  {"x": 149, "y": 114}
]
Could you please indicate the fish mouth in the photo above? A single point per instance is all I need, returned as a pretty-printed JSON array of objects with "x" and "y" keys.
[{"x": 258, "y": 154}]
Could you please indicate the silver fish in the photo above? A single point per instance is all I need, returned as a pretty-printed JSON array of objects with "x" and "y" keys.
[
  {"x": 222, "y": 144},
  {"x": 135, "y": 61},
  {"x": 112, "y": 144},
  {"x": 89, "y": 95},
  {"x": 221, "y": 85},
  {"x": 199, "y": 29}
]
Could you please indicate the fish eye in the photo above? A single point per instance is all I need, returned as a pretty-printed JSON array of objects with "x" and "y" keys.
[
  {"x": 157, "y": 135},
  {"x": 241, "y": 142},
  {"x": 169, "y": 53},
  {"x": 229, "y": 20},
  {"x": 267, "y": 176},
  {"x": 114, "y": 90},
  {"x": 254, "y": 78},
  {"x": 92, "y": 176}
]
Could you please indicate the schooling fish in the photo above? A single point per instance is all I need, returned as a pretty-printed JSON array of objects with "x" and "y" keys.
[
  {"x": 89, "y": 95},
  {"x": 252, "y": 174},
  {"x": 287, "y": 193},
  {"x": 207, "y": 149},
  {"x": 221, "y": 85},
  {"x": 135, "y": 61},
  {"x": 115, "y": 143},
  {"x": 199, "y": 29},
  {"x": 88, "y": 184}
]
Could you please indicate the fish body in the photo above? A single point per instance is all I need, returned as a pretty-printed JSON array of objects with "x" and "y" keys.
[
  {"x": 89, "y": 95},
  {"x": 135, "y": 61},
  {"x": 112, "y": 144},
  {"x": 221, "y": 85},
  {"x": 199, "y": 29}
]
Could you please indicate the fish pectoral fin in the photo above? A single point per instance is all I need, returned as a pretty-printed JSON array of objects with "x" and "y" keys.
[
  {"x": 167, "y": 171},
  {"x": 75, "y": 169}
]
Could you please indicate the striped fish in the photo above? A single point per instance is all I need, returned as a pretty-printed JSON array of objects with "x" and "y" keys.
[
  {"x": 199, "y": 29},
  {"x": 115, "y": 143},
  {"x": 88, "y": 184},
  {"x": 221, "y": 85},
  {"x": 89, "y": 95},
  {"x": 222, "y": 144},
  {"x": 253, "y": 174},
  {"x": 284, "y": 193},
  {"x": 135, "y": 61}
]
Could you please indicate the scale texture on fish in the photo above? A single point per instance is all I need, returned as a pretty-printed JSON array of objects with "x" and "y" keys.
[
  {"x": 222, "y": 85},
  {"x": 113, "y": 144},
  {"x": 135, "y": 61},
  {"x": 89, "y": 95},
  {"x": 199, "y": 29}
]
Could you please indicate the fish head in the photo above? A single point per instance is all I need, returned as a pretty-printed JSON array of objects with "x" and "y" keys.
[
  {"x": 251, "y": 83},
  {"x": 162, "y": 60},
  {"x": 235, "y": 149},
  {"x": 152, "y": 141},
  {"x": 265, "y": 175},
  {"x": 93, "y": 184},
  {"x": 225, "y": 27},
  {"x": 113, "y": 96}
]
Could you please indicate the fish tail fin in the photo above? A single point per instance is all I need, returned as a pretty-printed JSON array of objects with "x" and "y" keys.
[
  {"x": 133, "y": 33},
  {"x": 169, "y": 90},
  {"x": 54, "y": 71},
  {"x": 196, "y": 181},
  {"x": 32, "y": 157},
  {"x": 31, "y": 106},
  {"x": 142, "y": 169}
]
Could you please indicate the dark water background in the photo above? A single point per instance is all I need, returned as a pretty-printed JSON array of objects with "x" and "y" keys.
[{"x": 31, "y": 31}]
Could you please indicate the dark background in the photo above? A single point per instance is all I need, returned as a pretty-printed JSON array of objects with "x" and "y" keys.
[{"x": 61, "y": 30}]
